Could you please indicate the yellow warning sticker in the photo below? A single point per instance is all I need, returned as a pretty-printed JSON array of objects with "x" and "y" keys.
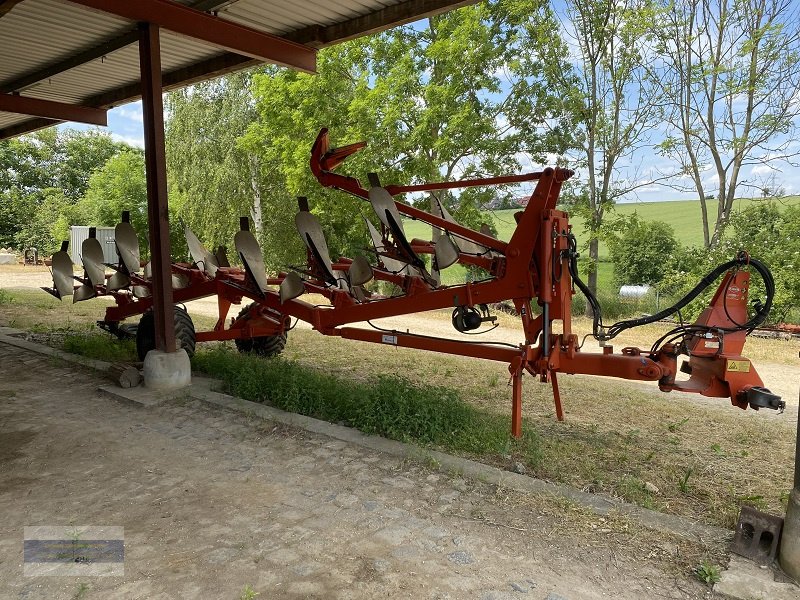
[{"x": 738, "y": 366}]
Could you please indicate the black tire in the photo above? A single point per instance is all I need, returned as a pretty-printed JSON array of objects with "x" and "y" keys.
[
  {"x": 268, "y": 345},
  {"x": 184, "y": 333}
]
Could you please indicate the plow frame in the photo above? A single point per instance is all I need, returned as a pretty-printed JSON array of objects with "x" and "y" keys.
[{"x": 531, "y": 270}]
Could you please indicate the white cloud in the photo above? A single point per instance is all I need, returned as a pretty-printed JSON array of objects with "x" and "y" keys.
[
  {"x": 762, "y": 170},
  {"x": 132, "y": 112},
  {"x": 137, "y": 142}
]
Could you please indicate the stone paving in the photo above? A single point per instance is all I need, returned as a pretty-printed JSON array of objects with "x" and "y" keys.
[{"x": 215, "y": 504}]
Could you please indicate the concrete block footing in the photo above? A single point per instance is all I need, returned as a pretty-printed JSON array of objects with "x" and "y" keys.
[{"x": 167, "y": 370}]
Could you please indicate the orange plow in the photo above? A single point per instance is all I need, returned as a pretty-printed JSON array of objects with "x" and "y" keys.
[{"x": 536, "y": 270}]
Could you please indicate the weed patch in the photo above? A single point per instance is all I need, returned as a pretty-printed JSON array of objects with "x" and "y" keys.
[
  {"x": 707, "y": 572},
  {"x": 101, "y": 347},
  {"x": 389, "y": 406}
]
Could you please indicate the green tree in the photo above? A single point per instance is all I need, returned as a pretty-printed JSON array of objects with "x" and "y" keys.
[
  {"x": 640, "y": 249},
  {"x": 15, "y": 208},
  {"x": 208, "y": 165},
  {"x": 42, "y": 177},
  {"x": 615, "y": 99},
  {"x": 773, "y": 236},
  {"x": 53, "y": 158},
  {"x": 41, "y": 209},
  {"x": 767, "y": 233},
  {"x": 121, "y": 185},
  {"x": 730, "y": 75},
  {"x": 292, "y": 108},
  {"x": 459, "y": 95}
]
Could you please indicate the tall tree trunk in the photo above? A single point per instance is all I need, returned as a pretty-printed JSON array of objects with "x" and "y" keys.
[
  {"x": 594, "y": 251},
  {"x": 255, "y": 206}
]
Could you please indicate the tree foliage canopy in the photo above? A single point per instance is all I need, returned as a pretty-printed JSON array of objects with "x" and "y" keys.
[
  {"x": 210, "y": 174},
  {"x": 640, "y": 249},
  {"x": 730, "y": 80},
  {"x": 464, "y": 94},
  {"x": 42, "y": 178},
  {"x": 614, "y": 101}
]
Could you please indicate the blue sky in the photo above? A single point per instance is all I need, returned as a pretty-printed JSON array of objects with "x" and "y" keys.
[{"x": 124, "y": 124}]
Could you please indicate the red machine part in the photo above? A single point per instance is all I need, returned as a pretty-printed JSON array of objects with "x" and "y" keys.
[{"x": 531, "y": 270}]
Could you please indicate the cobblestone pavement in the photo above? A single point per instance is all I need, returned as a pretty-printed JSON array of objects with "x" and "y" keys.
[{"x": 212, "y": 502}]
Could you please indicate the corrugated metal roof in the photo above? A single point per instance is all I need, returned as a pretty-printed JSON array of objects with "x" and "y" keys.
[
  {"x": 281, "y": 17},
  {"x": 38, "y": 34},
  {"x": 118, "y": 69}
]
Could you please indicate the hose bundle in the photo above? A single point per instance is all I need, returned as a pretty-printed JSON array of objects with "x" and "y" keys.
[{"x": 601, "y": 333}]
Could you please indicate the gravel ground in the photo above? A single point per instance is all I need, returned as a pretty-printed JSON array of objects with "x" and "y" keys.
[{"x": 213, "y": 504}]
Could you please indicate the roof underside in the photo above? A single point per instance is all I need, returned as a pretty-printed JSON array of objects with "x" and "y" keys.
[{"x": 60, "y": 51}]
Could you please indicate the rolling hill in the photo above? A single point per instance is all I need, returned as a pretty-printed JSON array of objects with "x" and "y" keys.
[{"x": 684, "y": 217}]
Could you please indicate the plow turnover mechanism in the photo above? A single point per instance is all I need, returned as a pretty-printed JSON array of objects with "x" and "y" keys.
[{"x": 536, "y": 270}]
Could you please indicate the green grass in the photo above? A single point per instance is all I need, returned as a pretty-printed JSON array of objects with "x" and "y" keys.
[
  {"x": 100, "y": 346},
  {"x": 384, "y": 405}
]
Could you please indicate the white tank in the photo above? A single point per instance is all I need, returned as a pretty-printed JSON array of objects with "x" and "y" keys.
[{"x": 633, "y": 291}]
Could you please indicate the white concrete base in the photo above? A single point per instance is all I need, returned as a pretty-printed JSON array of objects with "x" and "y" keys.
[
  {"x": 167, "y": 370},
  {"x": 745, "y": 580},
  {"x": 789, "y": 553}
]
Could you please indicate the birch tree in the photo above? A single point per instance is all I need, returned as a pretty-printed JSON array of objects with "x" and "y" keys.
[
  {"x": 615, "y": 99},
  {"x": 731, "y": 79},
  {"x": 219, "y": 179}
]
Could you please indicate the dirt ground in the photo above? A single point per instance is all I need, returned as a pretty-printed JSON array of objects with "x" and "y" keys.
[{"x": 214, "y": 504}]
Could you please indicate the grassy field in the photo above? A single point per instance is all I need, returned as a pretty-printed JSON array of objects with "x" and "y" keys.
[
  {"x": 701, "y": 457},
  {"x": 683, "y": 216}
]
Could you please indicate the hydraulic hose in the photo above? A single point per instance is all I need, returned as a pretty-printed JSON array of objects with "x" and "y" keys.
[{"x": 741, "y": 260}]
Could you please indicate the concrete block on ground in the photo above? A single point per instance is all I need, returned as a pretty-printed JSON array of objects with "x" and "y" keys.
[
  {"x": 167, "y": 370},
  {"x": 745, "y": 580}
]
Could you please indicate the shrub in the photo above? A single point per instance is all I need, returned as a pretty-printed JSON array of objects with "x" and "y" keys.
[{"x": 640, "y": 249}]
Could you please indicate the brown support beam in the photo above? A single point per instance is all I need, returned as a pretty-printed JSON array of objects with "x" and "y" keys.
[
  {"x": 24, "y": 127},
  {"x": 6, "y": 6},
  {"x": 58, "y": 111},
  {"x": 374, "y": 22},
  {"x": 156, "y": 168},
  {"x": 207, "y": 69},
  {"x": 218, "y": 32}
]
